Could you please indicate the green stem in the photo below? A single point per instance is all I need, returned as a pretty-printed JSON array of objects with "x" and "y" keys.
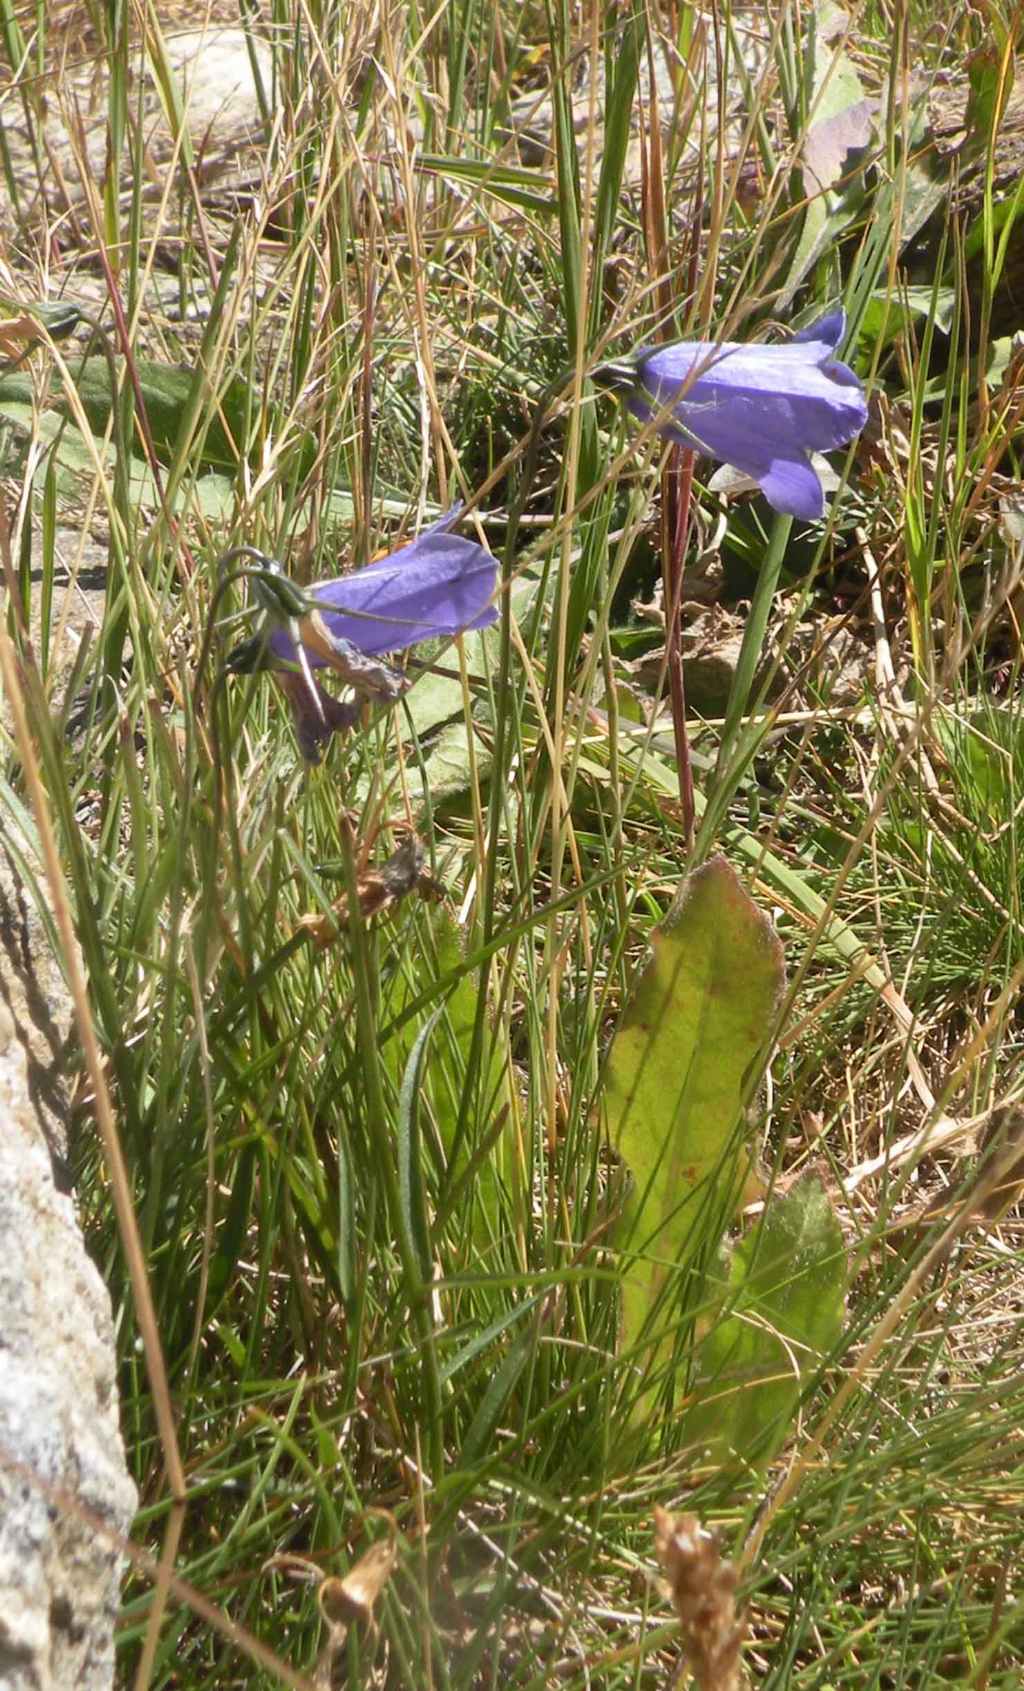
[{"x": 733, "y": 757}]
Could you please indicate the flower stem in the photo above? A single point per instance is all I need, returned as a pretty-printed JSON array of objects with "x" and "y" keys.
[{"x": 733, "y": 757}]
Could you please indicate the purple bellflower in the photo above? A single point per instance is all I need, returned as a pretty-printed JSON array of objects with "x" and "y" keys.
[
  {"x": 437, "y": 586},
  {"x": 762, "y": 409}
]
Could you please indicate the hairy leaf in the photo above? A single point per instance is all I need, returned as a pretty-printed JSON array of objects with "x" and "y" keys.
[{"x": 779, "y": 1316}]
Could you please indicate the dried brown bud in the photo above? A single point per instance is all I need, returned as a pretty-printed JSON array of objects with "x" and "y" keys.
[{"x": 702, "y": 1586}]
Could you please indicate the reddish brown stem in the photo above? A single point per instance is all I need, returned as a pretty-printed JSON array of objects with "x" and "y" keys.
[{"x": 677, "y": 495}]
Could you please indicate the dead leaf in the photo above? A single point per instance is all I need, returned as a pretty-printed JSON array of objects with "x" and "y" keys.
[
  {"x": 18, "y": 332},
  {"x": 997, "y": 1183},
  {"x": 350, "y": 1601},
  {"x": 404, "y": 872},
  {"x": 343, "y": 1602}
]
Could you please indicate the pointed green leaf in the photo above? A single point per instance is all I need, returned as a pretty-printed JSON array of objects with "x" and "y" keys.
[
  {"x": 527, "y": 189},
  {"x": 690, "y": 1037},
  {"x": 886, "y": 314}
]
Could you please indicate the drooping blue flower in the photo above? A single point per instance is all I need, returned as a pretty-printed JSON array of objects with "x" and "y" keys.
[
  {"x": 762, "y": 409},
  {"x": 437, "y": 586}
]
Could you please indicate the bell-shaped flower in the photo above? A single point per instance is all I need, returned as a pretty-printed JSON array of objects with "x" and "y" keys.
[
  {"x": 437, "y": 586},
  {"x": 762, "y": 409}
]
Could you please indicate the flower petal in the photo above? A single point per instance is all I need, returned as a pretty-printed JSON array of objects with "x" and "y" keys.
[
  {"x": 747, "y": 429},
  {"x": 705, "y": 373},
  {"x": 366, "y": 675},
  {"x": 437, "y": 586},
  {"x": 441, "y": 584},
  {"x": 827, "y": 331},
  {"x": 791, "y": 486},
  {"x": 316, "y": 714},
  {"x": 445, "y": 524}
]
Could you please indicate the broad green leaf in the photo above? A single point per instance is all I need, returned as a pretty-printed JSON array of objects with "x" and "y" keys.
[
  {"x": 436, "y": 702},
  {"x": 57, "y": 317},
  {"x": 447, "y": 770},
  {"x": 831, "y": 144},
  {"x": 926, "y": 184},
  {"x": 167, "y": 395},
  {"x": 75, "y": 463},
  {"x": 922, "y": 182},
  {"x": 886, "y": 314},
  {"x": 212, "y": 493},
  {"x": 990, "y": 83},
  {"x": 984, "y": 753},
  {"x": 680, "y": 1066},
  {"x": 779, "y": 1317},
  {"x": 840, "y": 127}
]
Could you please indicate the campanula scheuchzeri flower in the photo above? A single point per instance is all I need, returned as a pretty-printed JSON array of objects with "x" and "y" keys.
[
  {"x": 762, "y": 409},
  {"x": 437, "y": 586}
]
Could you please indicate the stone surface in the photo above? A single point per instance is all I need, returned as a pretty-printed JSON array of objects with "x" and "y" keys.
[
  {"x": 62, "y": 1469},
  {"x": 676, "y": 88},
  {"x": 35, "y": 997},
  {"x": 214, "y": 72},
  {"x": 214, "y": 82}
]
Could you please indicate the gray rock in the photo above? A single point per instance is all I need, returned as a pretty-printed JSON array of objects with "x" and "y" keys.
[
  {"x": 676, "y": 85},
  {"x": 214, "y": 80},
  {"x": 34, "y": 994},
  {"x": 62, "y": 1468}
]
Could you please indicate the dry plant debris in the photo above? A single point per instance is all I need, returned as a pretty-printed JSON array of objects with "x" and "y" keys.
[
  {"x": 404, "y": 872},
  {"x": 702, "y": 1586}
]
